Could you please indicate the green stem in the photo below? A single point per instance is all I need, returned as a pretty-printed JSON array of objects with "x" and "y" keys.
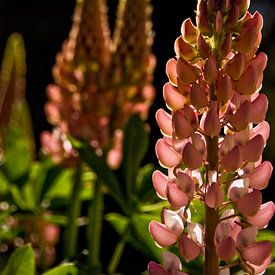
[
  {"x": 94, "y": 229},
  {"x": 74, "y": 212},
  {"x": 114, "y": 262}
]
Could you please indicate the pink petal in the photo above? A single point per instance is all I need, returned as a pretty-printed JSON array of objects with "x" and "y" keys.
[
  {"x": 250, "y": 203},
  {"x": 253, "y": 149},
  {"x": 176, "y": 197},
  {"x": 259, "y": 62},
  {"x": 192, "y": 159},
  {"x": 260, "y": 176},
  {"x": 173, "y": 98},
  {"x": 223, "y": 231},
  {"x": 236, "y": 66},
  {"x": 171, "y": 71},
  {"x": 237, "y": 190},
  {"x": 183, "y": 128},
  {"x": 263, "y": 129},
  {"x": 186, "y": 72},
  {"x": 259, "y": 107},
  {"x": 164, "y": 121},
  {"x": 186, "y": 184},
  {"x": 189, "y": 249},
  {"x": 214, "y": 196},
  {"x": 246, "y": 237},
  {"x": 162, "y": 236},
  {"x": 170, "y": 261},
  {"x": 156, "y": 269},
  {"x": 233, "y": 160},
  {"x": 198, "y": 96},
  {"x": 211, "y": 70},
  {"x": 160, "y": 183},
  {"x": 172, "y": 221},
  {"x": 184, "y": 49},
  {"x": 259, "y": 269},
  {"x": 224, "y": 90},
  {"x": 167, "y": 156},
  {"x": 257, "y": 253},
  {"x": 189, "y": 31},
  {"x": 226, "y": 249},
  {"x": 263, "y": 216}
]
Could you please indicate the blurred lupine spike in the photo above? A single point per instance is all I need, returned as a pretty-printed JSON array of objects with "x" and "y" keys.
[
  {"x": 100, "y": 82},
  {"x": 214, "y": 100}
]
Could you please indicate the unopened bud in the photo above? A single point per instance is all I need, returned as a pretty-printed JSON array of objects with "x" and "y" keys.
[
  {"x": 211, "y": 70},
  {"x": 236, "y": 66},
  {"x": 191, "y": 157},
  {"x": 247, "y": 41},
  {"x": 211, "y": 122},
  {"x": 203, "y": 24},
  {"x": 176, "y": 197},
  {"x": 182, "y": 128},
  {"x": 250, "y": 203},
  {"x": 198, "y": 96},
  {"x": 226, "y": 45},
  {"x": 224, "y": 90},
  {"x": 183, "y": 49},
  {"x": 241, "y": 118},
  {"x": 218, "y": 22},
  {"x": 203, "y": 47},
  {"x": 211, "y": 6},
  {"x": 186, "y": 72},
  {"x": 233, "y": 160},
  {"x": 214, "y": 196},
  {"x": 255, "y": 22},
  {"x": 225, "y": 4},
  {"x": 189, "y": 31},
  {"x": 253, "y": 149},
  {"x": 233, "y": 17},
  {"x": 243, "y": 6},
  {"x": 188, "y": 248},
  {"x": 248, "y": 81}
]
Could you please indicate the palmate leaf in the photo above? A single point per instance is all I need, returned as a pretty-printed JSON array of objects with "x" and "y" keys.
[{"x": 21, "y": 262}]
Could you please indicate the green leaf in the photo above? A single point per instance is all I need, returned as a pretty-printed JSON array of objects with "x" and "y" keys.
[
  {"x": 21, "y": 262},
  {"x": 135, "y": 146},
  {"x": 100, "y": 167},
  {"x": 64, "y": 269},
  {"x": 267, "y": 235},
  {"x": 118, "y": 221},
  {"x": 271, "y": 269}
]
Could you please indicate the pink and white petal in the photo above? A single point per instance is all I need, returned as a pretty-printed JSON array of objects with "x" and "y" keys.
[
  {"x": 214, "y": 196},
  {"x": 223, "y": 231},
  {"x": 173, "y": 221},
  {"x": 164, "y": 121},
  {"x": 162, "y": 236},
  {"x": 225, "y": 271},
  {"x": 185, "y": 183},
  {"x": 226, "y": 249},
  {"x": 160, "y": 183},
  {"x": 170, "y": 261},
  {"x": 250, "y": 203},
  {"x": 167, "y": 156},
  {"x": 195, "y": 232},
  {"x": 246, "y": 237},
  {"x": 188, "y": 249},
  {"x": 257, "y": 253},
  {"x": 156, "y": 269},
  {"x": 237, "y": 189},
  {"x": 259, "y": 269},
  {"x": 263, "y": 215}
]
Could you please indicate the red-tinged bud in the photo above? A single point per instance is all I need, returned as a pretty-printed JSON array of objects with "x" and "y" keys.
[
  {"x": 156, "y": 269},
  {"x": 160, "y": 183},
  {"x": 236, "y": 66},
  {"x": 243, "y": 6},
  {"x": 162, "y": 236},
  {"x": 201, "y": 5},
  {"x": 184, "y": 50},
  {"x": 171, "y": 71},
  {"x": 226, "y": 249},
  {"x": 214, "y": 196},
  {"x": 253, "y": 149},
  {"x": 218, "y": 23},
  {"x": 186, "y": 184},
  {"x": 199, "y": 143},
  {"x": 211, "y": 6},
  {"x": 233, "y": 160},
  {"x": 260, "y": 177},
  {"x": 211, "y": 123},
  {"x": 189, "y": 31},
  {"x": 203, "y": 47},
  {"x": 241, "y": 118},
  {"x": 233, "y": 17},
  {"x": 198, "y": 96},
  {"x": 174, "y": 100},
  {"x": 263, "y": 215},
  {"x": 247, "y": 41},
  {"x": 225, "y": 5},
  {"x": 211, "y": 70},
  {"x": 259, "y": 62},
  {"x": 186, "y": 72},
  {"x": 188, "y": 248},
  {"x": 226, "y": 45},
  {"x": 248, "y": 81},
  {"x": 203, "y": 24},
  {"x": 164, "y": 121},
  {"x": 250, "y": 203},
  {"x": 167, "y": 156},
  {"x": 176, "y": 197},
  {"x": 224, "y": 90},
  {"x": 191, "y": 157}
]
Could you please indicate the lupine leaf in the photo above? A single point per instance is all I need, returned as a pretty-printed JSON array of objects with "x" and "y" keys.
[{"x": 64, "y": 269}]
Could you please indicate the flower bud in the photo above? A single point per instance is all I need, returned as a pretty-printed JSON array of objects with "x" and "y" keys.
[
  {"x": 263, "y": 129},
  {"x": 225, "y": 4},
  {"x": 186, "y": 72},
  {"x": 259, "y": 62},
  {"x": 218, "y": 22},
  {"x": 233, "y": 17},
  {"x": 173, "y": 98},
  {"x": 247, "y": 41},
  {"x": 211, "y": 70},
  {"x": 243, "y": 6},
  {"x": 214, "y": 196},
  {"x": 171, "y": 71},
  {"x": 189, "y": 31},
  {"x": 191, "y": 157},
  {"x": 226, "y": 249},
  {"x": 184, "y": 50},
  {"x": 233, "y": 160},
  {"x": 255, "y": 22},
  {"x": 186, "y": 184},
  {"x": 241, "y": 118},
  {"x": 211, "y": 6},
  {"x": 226, "y": 45},
  {"x": 211, "y": 122},
  {"x": 253, "y": 149},
  {"x": 236, "y": 66},
  {"x": 156, "y": 269},
  {"x": 176, "y": 197},
  {"x": 224, "y": 90},
  {"x": 164, "y": 121},
  {"x": 259, "y": 107},
  {"x": 198, "y": 97},
  {"x": 203, "y": 47},
  {"x": 203, "y": 24},
  {"x": 188, "y": 249}
]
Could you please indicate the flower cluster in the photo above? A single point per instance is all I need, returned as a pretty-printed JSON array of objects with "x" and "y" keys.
[
  {"x": 100, "y": 82},
  {"x": 213, "y": 141}
]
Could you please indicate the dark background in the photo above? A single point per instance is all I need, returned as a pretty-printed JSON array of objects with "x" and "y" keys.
[{"x": 45, "y": 25}]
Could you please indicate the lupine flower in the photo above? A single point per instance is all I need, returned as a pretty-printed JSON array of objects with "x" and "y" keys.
[
  {"x": 100, "y": 81},
  {"x": 215, "y": 122}
]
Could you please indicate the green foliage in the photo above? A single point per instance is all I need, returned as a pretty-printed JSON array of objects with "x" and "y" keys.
[
  {"x": 21, "y": 262},
  {"x": 64, "y": 269}
]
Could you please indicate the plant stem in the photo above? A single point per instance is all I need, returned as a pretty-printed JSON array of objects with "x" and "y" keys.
[
  {"x": 94, "y": 229},
  {"x": 211, "y": 265},
  {"x": 74, "y": 212}
]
